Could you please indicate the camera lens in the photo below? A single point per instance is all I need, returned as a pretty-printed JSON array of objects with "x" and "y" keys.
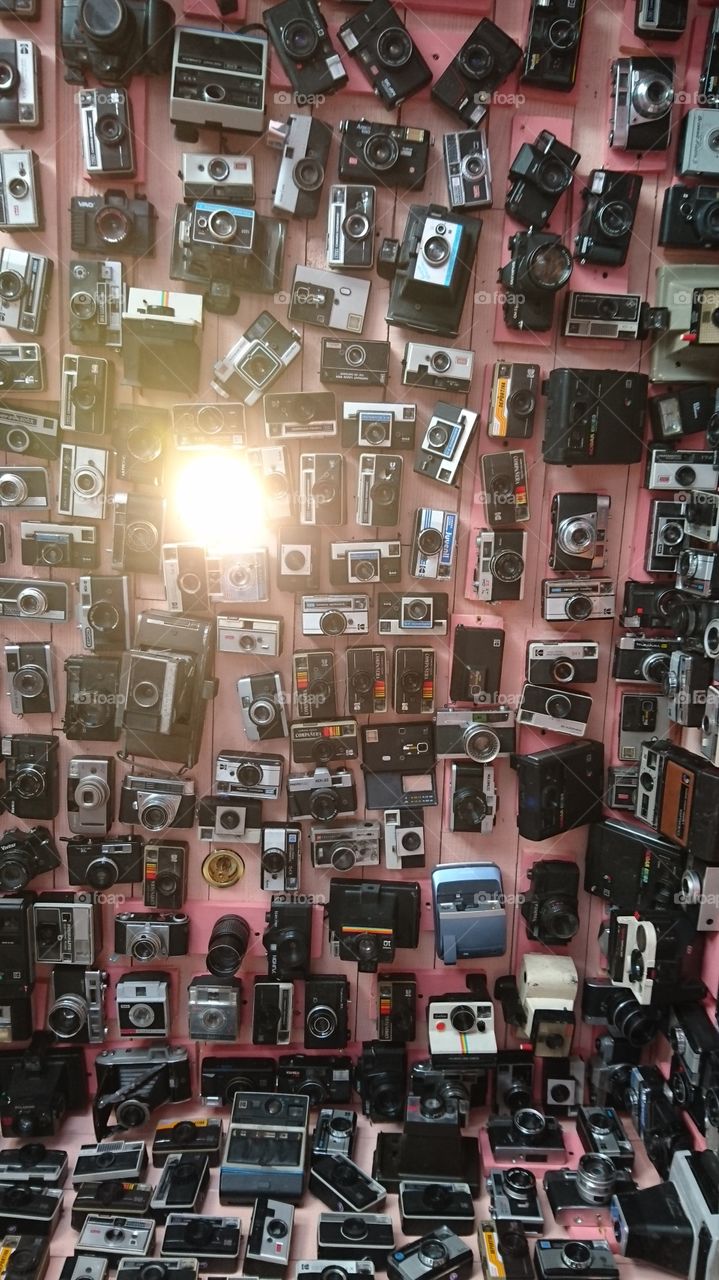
[
  {"x": 333, "y": 1273},
  {"x": 333, "y": 623},
  {"x": 364, "y": 570},
  {"x": 222, "y": 225},
  {"x": 258, "y": 367},
  {"x": 652, "y": 95},
  {"x": 145, "y": 947},
  {"x": 343, "y": 857},
  {"x": 476, "y": 61},
  {"x": 558, "y": 918},
  {"x": 418, "y": 610},
  {"x": 14, "y": 874},
  {"x": 227, "y": 946},
  {"x": 130, "y": 1115},
  {"x": 529, "y": 1122},
  {"x": 102, "y": 873},
  {"x": 354, "y": 1228},
  {"x": 440, "y": 361},
  {"x": 249, "y": 775},
  {"x": 145, "y": 694},
  {"x": 86, "y": 482},
  {"x": 8, "y": 77},
  {"x": 394, "y": 47},
  {"x": 549, "y": 266},
  {"x": 564, "y": 671},
  {"x": 113, "y": 226},
  {"x": 67, "y": 1017},
  {"x": 474, "y": 166},
  {"x": 470, "y": 807},
  {"x": 218, "y": 169},
  {"x": 519, "y": 1181},
  {"x": 614, "y": 218},
  {"x": 431, "y": 1252},
  {"x": 91, "y": 792},
  {"x": 576, "y": 1255},
  {"x": 480, "y": 744},
  {"x": 506, "y": 566},
  {"x": 103, "y": 616},
  {"x": 355, "y": 355},
  {"x": 381, "y": 151},
  {"x": 321, "y": 1022},
  {"x": 299, "y": 39},
  {"x": 374, "y": 432},
  {"x": 17, "y": 439},
  {"x": 262, "y": 712},
  {"x": 558, "y": 705},
  {"x": 463, "y": 1019},
  {"x": 308, "y": 174},
  {"x": 436, "y": 250},
  {"x": 104, "y": 21},
  {"x": 295, "y": 560},
  {"x": 688, "y": 564},
  {"x": 12, "y": 286},
  {"x": 82, "y": 305},
  {"x": 429, "y": 542},
  {"x": 563, "y": 35},
  {"x": 13, "y": 490},
  {"x": 384, "y": 494},
  {"x": 578, "y": 608},
  {"x": 31, "y": 602},
  {"x": 356, "y": 226},
  {"x": 29, "y": 783},
  {"x": 323, "y": 805},
  {"x": 110, "y": 130}
]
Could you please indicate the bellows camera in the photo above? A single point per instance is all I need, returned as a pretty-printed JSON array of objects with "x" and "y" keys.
[{"x": 385, "y": 51}]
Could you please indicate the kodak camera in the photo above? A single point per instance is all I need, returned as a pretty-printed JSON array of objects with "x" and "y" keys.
[
  {"x": 695, "y": 152},
  {"x": 432, "y": 269},
  {"x": 577, "y": 599},
  {"x": 513, "y": 401},
  {"x": 557, "y": 710},
  {"x": 562, "y": 661},
  {"x": 179, "y": 1136},
  {"x": 499, "y": 568},
  {"x": 96, "y": 303},
  {"x": 443, "y": 368},
  {"x": 433, "y": 543},
  {"x": 366, "y": 680},
  {"x": 36, "y": 600},
  {"x": 413, "y": 686},
  {"x": 665, "y": 536},
  {"x": 322, "y": 489},
  {"x": 36, "y": 434},
  {"x": 392, "y": 155},
  {"x": 378, "y": 490},
  {"x": 322, "y": 741},
  {"x": 314, "y": 684},
  {"x": 468, "y": 169},
  {"x": 269, "y": 1239},
  {"x": 272, "y": 1012},
  {"x": 363, "y": 562},
  {"x": 505, "y": 487},
  {"x": 90, "y": 782},
  {"x": 379, "y": 425},
  {"x": 399, "y": 614},
  {"x": 379, "y": 41},
  {"x": 143, "y": 1004},
  {"x": 570, "y": 781},
  {"x": 263, "y": 706},
  {"x": 327, "y": 299},
  {"x": 249, "y": 635},
  {"x": 438, "y": 1254},
  {"x": 321, "y": 795},
  {"x": 20, "y": 194},
  {"x": 106, "y": 132},
  {"x": 248, "y": 774},
  {"x": 57, "y": 545},
  {"x": 24, "y": 487},
  {"x": 642, "y": 96},
  {"x": 362, "y": 364},
  {"x": 87, "y": 383},
  {"x": 218, "y": 178},
  {"x": 293, "y": 415},
  {"x": 116, "y": 1238},
  {"x": 22, "y": 368},
  {"x": 484, "y": 61},
  {"x": 336, "y": 615},
  {"x": 83, "y": 481},
  {"x": 344, "y": 847},
  {"x": 24, "y": 294},
  {"x": 164, "y": 875},
  {"x": 151, "y": 935},
  {"x": 217, "y": 78},
  {"x": 67, "y": 928},
  {"x": 605, "y": 228},
  {"x": 21, "y": 105},
  {"x": 350, "y": 228}
]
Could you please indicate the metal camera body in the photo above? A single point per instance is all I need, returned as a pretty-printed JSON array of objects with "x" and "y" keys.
[
  {"x": 350, "y": 227},
  {"x": 432, "y": 270},
  {"x": 151, "y": 935},
  {"x": 25, "y": 280},
  {"x": 20, "y": 192},
  {"x": 579, "y": 532},
  {"x": 143, "y": 1004},
  {"x": 344, "y": 847},
  {"x": 255, "y": 360},
  {"x": 217, "y": 78},
  {"x": 106, "y": 132},
  {"x": 90, "y": 782},
  {"x": 468, "y": 169},
  {"x": 157, "y": 802},
  {"x": 22, "y": 105},
  {"x": 380, "y": 43},
  {"x": 76, "y": 1004},
  {"x": 213, "y": 1009},
  {"x": 642, "y": 96},
  {"x": 30, "y": 682},
  {"x": 499, "y": 568}
]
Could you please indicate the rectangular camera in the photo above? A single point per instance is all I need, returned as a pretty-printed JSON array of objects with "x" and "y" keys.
[
  {"x": 468, "y": 169},
  {"x": 611, "y": 434},
  {"x": 575, "y": 772},
  {"x": 58, "y": 545},
  {"x": 605, "y": 228},
  {"x": 344, "y": 847},
  {"x": 499, "y": 569},
  {"x": 151, "y": 935},
  {"x": 271, "y": 464},
  {"x": 327, "y": 299},
  {"x": 130, "y": 1198},
  {"x": 622, "y": 783},
  {"x": 334, "y": 1239},
  {"x": 106, "y": 132},
  {"x": 687, "y": 218},
  {"x": 96, "y": 302},
  {"x": 506, "y": 488},
  {"x": 391, "y": 154},
  {"x": 116, "y": 1238},
  {"x": 298, "y": 550},
  {"x": 101, "y": 863},
  {"x": 362, "y": 563},
  {"x": 577, "y": 599},
  {"x": 228, "y": 178},
  {"x": 280, "y": 859},
  {"x": 31, "y": 775},
  {"x": 91, "y": 701},
  {"x": 386, "y": 53},
  {"x": 397, "y": 614},
  {"x": 665, "y": 534},
  {"x": 562, "y": 662},
  {"x": 26, "y": 281},
  {"x": 403, "y": 844},
  {"x": 321, "y": 795},
  {"x": 161, "y": 340},
  {"x": 164, "y": 875},
  {"x": 36, "y": 434},
  {"x": 83, "y": 482},
  {"x": 255, "y": 360},
  {"x": 326, "y": 997},
  {"x": 267, "y": 1144},
  {"x": 362, "y": 364},
  {"x": 305, "y": 144},
  {"x": 23, "y": 369},
  {"x": 263, "y": 705},
  {"x": 335, "y": 615},
  {"x": 94, "y": 221},
  {"x": 432, "y": 269},
  {"x": 676, "y": 469},
  {"x": 323, "y": 740},
  {"x": 269, "y": 1239},
  {"x": 663, "y": 20},
  {"x": 291, "y": 415},
  {"x": 701, "y": 516},
  {"x": 137, "y": 525},
  {"x": 249, "y": 635},
  {"x": 513, "y": 401},
  {"x": 485, "y": 60},
  {"x": 559, "y": 710},
  {"x": 186, "y": 577},
  {"x": 408, "y": 747},
  {"x": 218, "y": 78},
  {"x": 213, "y": 1013},
  {"x": 366, "y": 680},
  {"x": 140, "y": 441},
  {"x": 67, "y": 928},
  {"x": 30, "y": 683},
  {"x": 378, "y": 426},
  {"x": 473, "y": 803},
  {"x": 219, "y": 1241},
  {"x": 443, "y": 368},
  {"x": 249, "y": 774},
  {"x": 322, "y": 489},
  {"x": 317, "y": 68},
  {"x": 272, "y": 1012},
  {"x": 419, "y": 1213},
  {"x": 197, "y": 426},
  {"x": 414, "y": 677},
  {"x": 597, "y": 1260},
  {"x": 540, "y": 173},
  {"x": 227, "y": 819},
  {"x": 87, "y": 383},
  {"x": 445, "y": 443},
  {"x": 513, "y": 1197},
  {"x": 642, "y": 92},
  {"x": 547, "y": 64},
  {"x": 143, "y": 1004},
  {"x": 22, "y": 101},
  {"x": 351, "y": 228},
  {"x": 695, "y": 152},
  {"x": 378, "y": 490},
  {"x": 579, "y": 532},
  {"x": 20, "y": 193},
  {"x": 104, "y": 613},
  {"x": 620, "y": 316},
  {"x": 33, "y": 600},
  {"x": 244, "y": 576},
  {"x": 90, "y": 781},
  {"x": 187, "y": 1135},
  {"x": 314, "y": 684},
  {"x": 76, "y": 1005},
  {"x": 335, "y": 1130},
  {"x": 345, "y": 1188},
  {"x": 601, "y": 1132},
  {"x": 641, "y": 659}
]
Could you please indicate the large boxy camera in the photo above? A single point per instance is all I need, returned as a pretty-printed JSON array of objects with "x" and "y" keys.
[
  {"x": 386, "y": 53},
  {"x": 115, "y": 43},
  {"x": 132, "y": 1083},
  {"x": 470, "y": 918},
  {"x": 540, "y": 265},
  {"x": 302, "y": 43},
  {"x": 92, "y": 689},
  {"x": 559, "y": 789},
  {"x": 605, "y": 228},
  {"x": 369, "y": 919},
  {"x": 305, "y": 143},
  {"x": 595, "y": 417},
  {"x": 553, "y": 42},
  {"x": 40, "y": 1084},
  {"x": 487, "y": 57},
  {"x": 642, "y": 97},
  {"x": 254, "y": 362},
  {"x": 112, "y": 223},
  {"x": 223, "y": 250},
  {"x": 686, "y": 1200},
  {"x": 540, "y": 173},
  {"x": 24, "y": 287},
  {"x": 31, "y": 787},
  {"x": 432, "y": 270},
  {"x": 217, "y": 78},
  {"x": 267, "y": 1138},
  {"x": 391, "y": 155},
  {"x": 21, "y": 105}
]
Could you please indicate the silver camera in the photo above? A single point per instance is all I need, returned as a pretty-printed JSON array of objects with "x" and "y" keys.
[
  {"x": 85, "y": 394},
  {"x": 106, "y": 132},
  {"x": 335, "y": 615},
  {"x": 327, "y": 299},
  {"x": 24, "y": 290},
  {"x": 188, "y": 577},
  {"x": 620, "y": 316},
  {"x": 269, "y": 1239},
  {"x": 89, "y": 794},
  {"x": 476, "y": 735},
  {"x": 697, "y": 151},
  {"x": 253, "y": 363},
  {"x": 322, "y": 489},
  {"x": 562, "y": 661},
  {"x": 403, "y": 839},
  {"x": 579, "y": 531},
  {"x": 76, "y": 1005},
  {"x": 157, "y": 801},
  {"x": 195, "y": 426},
  {"x": 228, "y": 819},
  {"x": 96, "y": 301},
  {"x": 20, "y": 197},
  {"x": 305, "y": 143},
  {"x": 468, "y": 169},
  {"x": 151, "y": 935},
  {"x": 272, "y": 464},
  {"x": 280, "y": 859},
  {"x": 24, "y": 487},
  {"x": 561, "y": 710},
  {"x": 36, "y": 600},
  {"x": 378, "y": 490},
  {"x": 30, "y": 682},
  {"x": 263, "y": 705},
  {"x": 445, "y": 443},
  {"x": 244, "y": 576},
  {"x": 350, "y": 227},
  {"x": 242, "y": 773},
  {"x": 213, "y": 1008},
  {"x": 341, "y": 848},
  {"x": 682, "y": 469},
  {"x": 443, "y": 368},
  {"x": 83, "y": 482},
  {"x": 143, "y": 1004},
  {"x": 210, "y": 177},
  {"x": 20, "y": 80},
  {"x": 112, "y": 1238},
  {"x": 22, "y": 368},
  {"x": 293, "y": 415},
  {"x": 217, "y": 78},
  {"x": 104, "y": 613},
  {"x": 434, "y": 540},
  {"x": 249, "y": 635},
  {"x": 363, "y": 562},
  {"x": 399, "y": 614},
  {"x": 577, "y": 599},
  {"x": 66, "y": 928},
  {"x": 665, "y": 534},
  {"x": 642, "y": 98}
]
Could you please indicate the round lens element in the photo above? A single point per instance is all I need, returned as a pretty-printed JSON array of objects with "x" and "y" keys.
[
  {"x": 549, "y": 266},
  {"x": 436, "y": 250},
  {"x": 8, "y": 77},
  {"x": 222, "y": 225},
  {"x": 615, "y": 218},
  {"x": 110, "y": 130},
  {"x": 104, "y": 21},
  {"x": 12, "y": 286},
  {"x": 429, "y": 542},
  {"x": 563, "y": 35},
  {"x": 653, "y": 95},
  {"x": 381, "y": 151},
  {"x": 299, "y": 39},
  {"x": 476, "y": 61},
  {"x": 394, "y": 47},
  {"x": 333, "y": 623},
  {"x": 507, "y": 566},
  {"x": 576, "y": 1255},
  {"x": 308, "y": 174},
  {"x": 440, "y": 361},
  {"x": 113, "y": 226}
]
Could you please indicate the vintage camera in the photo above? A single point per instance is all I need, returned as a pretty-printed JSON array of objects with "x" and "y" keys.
[
  {"x": 687, "y": 685},
  {"x": 577, "y": 599},
  {"x": 25, "y": 855},
  {"x": 269, "y": 1239},
  {"x": 642, "y": 96},
  {"x": 709, "y": 78},
  {"x": 302, "y": 43},
  {"x": 204, "y": 1136},
  {"x": 561, "y": 711},
  {"x": 20, "y": 194},
  {"x": 710, "y": 726},
  {"x": 366, "y": 680},
  {"x": 203, "y": 1240},
  {"x": 601, "y": 1132},
  {"x": 222, "y": 1077},
  {"x": 664, "y": 21},
  {"x": 689, "y": 217},
  {"x": 397, "y": 614},
  {"x": 195, "y": 426},
  {"x": 93, "y": 686},
  {"x": 106, "y": 132},
  {"x": 34, "y": 1212},
  {"x": 605, "y": 228},
  {"x": 244, "y": 576},
  {"x": 96, "y": 303},
  {"x": 378, "y": 490},
  {"x": 473, "y": 799},
  {"x": 344, "y": 847},
  {"x": 87, "y": 383},
  {"x": 610, "y": 315},
  {"x": 140, "y": 440},
  {"x": 468, "y": 169},
  {"x": 437, "y": 1255},
  {"x": 110, "y": 223},
  {"x": 67, "y": 928},
  {"x": 242, "y": 773},
  {"x": 359, "y": 563},
  {"x": 396, "y": 1002},
  {"x": 17, "y": 968},
  {"x": 24, "y": 294},
  {"x": 143, "y": 1004},
  {"x": 540, "y": 172},
  {"x": 641, "y": 715},
  {"x": 468, "y": 905},
  {"x": 22, "y": 368},
  {"x": 649, "y": 606},
  {"x": 151, "y": 935},
  {"x": 134, "y": 1082},
  {"x": 364, "y": 364},
  {"x": 327, "y": 299},
  {"x": 499, "y": 569},
  {"x": 460, "y": 1029},
  {"x": 696, "y": 157},
  {"x": 408, "y": 747},
  {"x": 83, "y": 480},
  {"x": 684, "y": 411},
  {"x": 413, "y": 689},
  {"x": 321, "y": 795},
  {"x": 298, "y": 549},
  {"x": 645, "y": 953},
  {"x": 21, "y": 105},
  {"x": 681, "y": 469},
  {"x": 187, "y": 577},
  {"x": 137, "y": 525},
  {"x": 554, "y": 1258},
  {"x": 223, "y": 250},
  {"x": 513, "y": 1082},
  {"x": 550, "y": 909},
  {"x": 249, "y": 635},
  {"x": 322, "y": 741},
  {"x": 217, "y": 178},
  {"x": 31, "y": 775},
  {"x": 433, "y": 543},
  {"x": 322, "y": 489},
  {"x": 135, "y": 40},
  {"x": 377, "y": 425},
  {"x": 164, "y": 875},
  {"x": 102, "y": 863},
  {"x": 33, "y": 1163},
  {"x": 24, "y": 487},
  {"x": 369, "y": 919},
  {"x": 287, "y": 938},
  {"x": 90, "y": 781},
  {"x": 263, "y": 706},
  {"x": 698, "y": 571},
  {"x": 36, "y": 434},
  {"x": 267, "y": 1138},
  {"x": 350, "y": 227},
  {"x": 112, "y": 1237},
  {"x": 540, "y": 265},
  {"x": 217, "y": 79},
  {"x": 254, "y": 362},
  {"x": 182, "y": 1186},
  {"x": 161, "y": 340},
  {"x": 57, "y": 545},
  {"x": 325, "y": 1012},
  {"x": 324, "y": 1080},
  {"x": 345, "y": 1188},
  {"x": 337, "y": 615},
  {"x": 30, "y": 684},
  {"x": 76, "y": 1004},
  {"x": 392, "y": 155},
  {"x": 485, "y": 60},
  {"x": 553, "y": 42},
  {"x": 335, "y": 1130},
  {"x": 271, "y": 463},
  {"x": 528, "y": 1135},
  {"x": 40, "y": 1085},
  {"x": 424, "y": 1206},
  {"x": 403, "y": 839},
  {"x": 272, "y": 1012},
  {"x": 685, "y": 1200},
  {"x": 432, "y": 269},
  {"x": 156, "y": 802},
  {"x": 560, "y": 788},
  {"x": 513, "y": 1198},
  {"x": 562, "y": 661},
  {"x": 505, "y": 485},
  {"x": 306, "y": 146},
  {"x": 293, "y": 415},
  {"x": 701, "y": 512},
  {"x": 622, "y": 785},
  {"x": 444, "y": 368},
  {"x": 104, "y": 613},
  {"x": 357, "y": 1239},
  {"x": 513, "y": 401},
  {"x": 386, "y": 53},
  {"x": 314, "y": 682},
  {"x": 34, "y": 600},
  {"x": 665, "y": 535},
  {"x": 228, "y": 819}
]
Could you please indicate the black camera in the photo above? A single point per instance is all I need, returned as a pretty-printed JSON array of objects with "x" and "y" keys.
[
  {"x": 604, "y": 1003},
  {"x": 92, "y": 691},
  {"x": 321, "y": 795},
  {"x": 369, "y": 919},
  {"x": 630, "y": 867},
  {"x": 391, "y": 155},
  {"x": 302, "y": 43},
  {"x": 222, "y": 250},
  {"x": 540, "y": 265},
  {"x": 485, "y": 60},
  {"x": 432, "y": 269},
  {"x": 113, "y": 223},
  {"x": 132, "y": 37},
  {"x": 552, "y": 53},
  {"x": 347, "y": 360},
  {"x": 690, "y": 217},
  {"x": 324, "y": 1078},
  {"x": 579, "y": 532},
  {"x": 605, "y": 228},
  {"x": 540, "y": 173},
  {"x": 528, "y": 1134},
  {"x": 132, "y": 1083},
  {"x": 559, "y": 789},
  {"x": 601, "y": 1131},
  {"x": 326, "y": 1022},
  {"x": 386, "y": 53},
  {"x": 31, "y": 787},
  {"x": 380, "y": 1079},
  {"x": 39, "y": 1086},
  {"x": 25, "y": 855},
  {"x": 437, "y": 1255},
  {"x": 550, "y": 909},
  {"x": 103, "y": 862},
  {"x": 594, "y": 416},
  {"x": 287, "y": 939},
  {"x": 657, "y": 607}
]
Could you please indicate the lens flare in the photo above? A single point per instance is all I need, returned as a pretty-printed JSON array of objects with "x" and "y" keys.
[{"x": 220, "y": 502}]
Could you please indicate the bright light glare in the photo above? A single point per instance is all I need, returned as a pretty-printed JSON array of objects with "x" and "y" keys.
[{"x": 220, "y": 501}]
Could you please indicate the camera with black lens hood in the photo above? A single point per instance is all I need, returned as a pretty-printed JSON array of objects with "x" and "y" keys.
[
  {"x": 114, "y": 43},
  {"x": 433, "y": 268},
  {"x": 605, "y": 228},
  {"x": 642, "y": 97},
  {"x": 379, "y": 41},
  {"x": 487, "y": 57},
  {"x": 540, "y": 265},
  {"x": 550, "y": 909},
  {"x": 132, "y": 1083},
  {"x": 302, "y": 43},
  {"x": 391, "y": 155},
  {"x": 113, "y": 223},
  {"x": 540, "y": 173},
  {"x": 40, "y": 1085}
]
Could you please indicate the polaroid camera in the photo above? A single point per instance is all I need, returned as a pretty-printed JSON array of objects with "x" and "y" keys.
[{"x": 469, "y": 915}]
